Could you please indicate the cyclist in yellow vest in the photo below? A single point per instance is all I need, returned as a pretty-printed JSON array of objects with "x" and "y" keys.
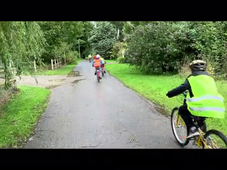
[
  {"x": 203, "y": 99},
  {"x": 89, "y": 57},
  {"x": 103, "y": 64}
]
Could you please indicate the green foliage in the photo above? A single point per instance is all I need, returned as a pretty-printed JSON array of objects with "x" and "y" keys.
[
  {"x": 121, "y": 59},
  {"x": 157, "y": 47},
  {"x": 86, "y": 48},
  {"x": 23, "y": 42},
  {"x": 61, "y": 37},
  {"x": 103, "y": 37},
  {"x": 117, "y": 50},
  {"x": 119, "y": 26},
  {"x": 72, "y": 57},
  {"x": 20, "y": 43}
]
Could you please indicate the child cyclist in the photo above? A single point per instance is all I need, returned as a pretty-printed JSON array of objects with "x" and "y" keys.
[
  {"x": 103, "y": 64},
  {"x": 97, "y": 63}
]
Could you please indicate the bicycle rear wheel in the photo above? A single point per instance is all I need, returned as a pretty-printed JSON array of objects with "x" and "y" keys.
[
  {"x": 215, "y": 140},
  {"x": 178, "y": 126},
  {"x": 102, "y": 72}
]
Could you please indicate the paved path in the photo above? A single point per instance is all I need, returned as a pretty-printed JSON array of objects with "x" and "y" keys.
[{"x": 88, "y": 114}]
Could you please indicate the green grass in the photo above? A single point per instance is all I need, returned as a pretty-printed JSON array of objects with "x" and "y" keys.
[
  {"x": 61, "y": 71},
  {"x": 110, "y": 61},
  {"x": 20, "y": 115},
  {"x": 155, "y": 87}
]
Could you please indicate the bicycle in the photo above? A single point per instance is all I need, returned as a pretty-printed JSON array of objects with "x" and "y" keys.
[
  {"x": 98, "y": 74},
  {"x": 204, "y": 140}
]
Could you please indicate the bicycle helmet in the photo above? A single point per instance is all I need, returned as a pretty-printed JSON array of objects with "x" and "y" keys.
[
  {"x": 97, "y": 56},
  {"x": 94, "y": 56},
  {"x": 198, "y": 65}
]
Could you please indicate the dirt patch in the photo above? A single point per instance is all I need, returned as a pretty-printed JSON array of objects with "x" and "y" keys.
[
  {"x": 51, "y": 86},
  {"x": 76, "y": 81},
  {"x": 161, "y": 110},
  {"x": 44, "y": 81},
  {"x": 56, "y": 80},
  {"x": 74, "y": 74}
]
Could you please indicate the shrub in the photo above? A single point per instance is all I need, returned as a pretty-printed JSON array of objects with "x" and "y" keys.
[{"x": 121, "y": 59}]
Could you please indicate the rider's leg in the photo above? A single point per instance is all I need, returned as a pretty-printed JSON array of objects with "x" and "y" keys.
[
  {"x": 201, "y": 124},
  {"x": 95, "y": 71},
  {"x": 185, "y": 114}
]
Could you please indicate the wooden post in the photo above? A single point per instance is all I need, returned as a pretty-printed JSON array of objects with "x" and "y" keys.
[
  {"x": 34, "y": 65},
  {"x": 52, "y": 64}
]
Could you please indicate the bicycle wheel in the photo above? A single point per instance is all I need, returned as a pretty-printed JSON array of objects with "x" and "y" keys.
[
  {"x": 179, "y": 128},
  {"x": 215, "y": 140},
  {"x": 98, "y": 74}
]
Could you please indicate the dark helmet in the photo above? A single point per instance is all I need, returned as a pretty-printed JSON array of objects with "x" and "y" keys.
[{"x": 198, "y": 65}]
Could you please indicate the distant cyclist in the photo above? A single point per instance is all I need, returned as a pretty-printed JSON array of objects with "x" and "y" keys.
[
  {"x": 103, "y": 64},
  {"x": 97, "y": 63},
  {"x": 89, "y": 57}
]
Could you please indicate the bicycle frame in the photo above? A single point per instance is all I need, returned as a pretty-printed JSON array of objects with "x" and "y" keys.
[{"x": 199, "y": 141}]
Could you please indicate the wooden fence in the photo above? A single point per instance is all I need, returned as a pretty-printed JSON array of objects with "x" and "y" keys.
[
  {"x": 56, "y": 63},
  {"x": 2, "y": 76}
]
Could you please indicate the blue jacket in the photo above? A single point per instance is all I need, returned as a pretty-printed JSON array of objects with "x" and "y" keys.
[{"x": 94, "y": 62}]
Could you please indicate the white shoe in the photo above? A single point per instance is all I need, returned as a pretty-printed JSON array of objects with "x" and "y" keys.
[{"x": 193, "y": 132}]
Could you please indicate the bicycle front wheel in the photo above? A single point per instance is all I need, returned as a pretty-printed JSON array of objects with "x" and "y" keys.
[
  {"x": 98, "y": 75},
  {"x": 179, "y": 128},
  {"x": 215, "y": 140}
]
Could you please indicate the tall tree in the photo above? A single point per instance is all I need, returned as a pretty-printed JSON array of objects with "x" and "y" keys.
[
  {"x": 20, "y": 43},
  {"x": 103, "y": 37}
]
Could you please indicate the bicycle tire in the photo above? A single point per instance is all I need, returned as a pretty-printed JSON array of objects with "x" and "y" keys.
[
  {"x": 217, "y": 133},
  {"x": 182, "y": 144},
  {"x": 98, "y": 74}
]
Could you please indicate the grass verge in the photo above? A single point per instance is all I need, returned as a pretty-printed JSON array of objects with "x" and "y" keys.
[
  {"x": 110, "y": 61},
  {"x": 19, "y": 116},
  {"x": 155, "y": 87}
]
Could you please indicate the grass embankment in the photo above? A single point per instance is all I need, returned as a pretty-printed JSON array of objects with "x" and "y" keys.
[
  {"x": 155, "y": 87},
  {"x": 20, "y": 115},
  {"x": 110, "y": 61}
]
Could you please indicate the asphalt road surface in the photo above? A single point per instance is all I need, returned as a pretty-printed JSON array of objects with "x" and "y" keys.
[{"x": 88, "y": 114}]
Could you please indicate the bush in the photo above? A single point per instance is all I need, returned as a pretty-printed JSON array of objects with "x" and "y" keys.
[
  {"x": 160, "y": 47},
  {"x": 117, "y": 50},
  {"x": 71, "y": 57},
  {"x": 121, "y": 59}
]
